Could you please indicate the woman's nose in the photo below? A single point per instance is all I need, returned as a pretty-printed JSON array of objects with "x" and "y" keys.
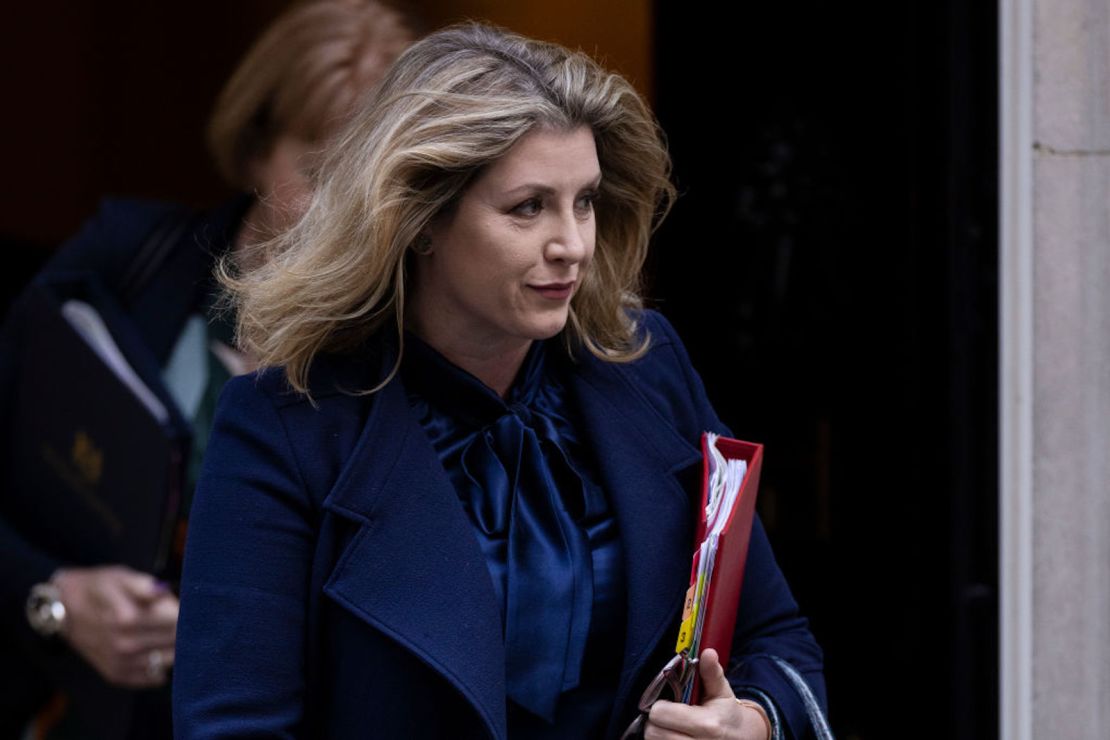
[{"x": 572, "y": 241}]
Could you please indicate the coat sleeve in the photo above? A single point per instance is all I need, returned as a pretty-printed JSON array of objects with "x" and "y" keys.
[
  {"x": 240, "y": 662},
  {"x": 773, "y": 648}
]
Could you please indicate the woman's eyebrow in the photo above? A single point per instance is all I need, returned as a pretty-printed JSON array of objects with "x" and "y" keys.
[{"x": 545, "y": 189}]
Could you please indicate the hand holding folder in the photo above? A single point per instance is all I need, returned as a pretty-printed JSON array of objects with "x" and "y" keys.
[
  {"x": 95, "y": 466},
  {"x": 730, "y": 482}
]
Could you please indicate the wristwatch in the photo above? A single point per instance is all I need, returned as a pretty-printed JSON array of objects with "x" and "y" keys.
[{"x": 45, "y": 610}]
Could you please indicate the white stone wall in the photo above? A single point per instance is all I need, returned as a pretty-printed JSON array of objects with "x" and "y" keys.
[
  {"x": 1071, "y": 435},
  {"x": 1065, "y": 403}
]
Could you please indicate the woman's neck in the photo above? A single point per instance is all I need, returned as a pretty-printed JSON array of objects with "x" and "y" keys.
[{"x": 495, "y": 364}]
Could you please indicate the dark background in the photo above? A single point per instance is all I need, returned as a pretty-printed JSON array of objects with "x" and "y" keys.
[
  {"x": 108, "y": 97},
  {"x": 831, "y": 264}
]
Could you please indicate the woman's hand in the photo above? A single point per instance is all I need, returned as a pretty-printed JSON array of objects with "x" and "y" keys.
[
  {"x": 718, "y": 716},
  {"x": 121, "y": 621}
]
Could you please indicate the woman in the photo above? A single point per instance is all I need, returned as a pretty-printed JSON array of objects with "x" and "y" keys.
[
  {"x": 295, "y": 86},
  {"x": 458, "y": 504}
]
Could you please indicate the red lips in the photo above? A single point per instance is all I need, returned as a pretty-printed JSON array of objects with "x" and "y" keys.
[{"x": 554, "y": 291}]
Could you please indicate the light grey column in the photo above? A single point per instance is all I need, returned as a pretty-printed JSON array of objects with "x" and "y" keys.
[{"x": 1055, "y": 275}]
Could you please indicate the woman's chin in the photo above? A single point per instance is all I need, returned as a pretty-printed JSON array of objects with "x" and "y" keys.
[{"x": 550, "y": 327}]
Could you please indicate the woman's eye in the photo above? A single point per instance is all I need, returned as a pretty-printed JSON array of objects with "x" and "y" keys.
[
  {"x": 530, "y": 207},
  {"x": 585, "y": 203}
]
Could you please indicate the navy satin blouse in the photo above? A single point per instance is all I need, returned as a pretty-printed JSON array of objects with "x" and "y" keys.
[{"x": 527, "y": 482}]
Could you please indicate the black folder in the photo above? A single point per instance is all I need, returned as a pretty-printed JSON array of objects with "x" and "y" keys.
[{"x": 95, "y": 477}]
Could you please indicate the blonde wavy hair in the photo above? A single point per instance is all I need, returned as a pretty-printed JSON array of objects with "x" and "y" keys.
[
  {"x": 303, "y": 76},
  {"x": 452, "y": 104}
]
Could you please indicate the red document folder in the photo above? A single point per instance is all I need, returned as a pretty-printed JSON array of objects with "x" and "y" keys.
[{"x": 723, "y": 595}]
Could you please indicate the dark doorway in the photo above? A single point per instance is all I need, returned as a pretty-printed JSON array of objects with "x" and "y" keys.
[{"x": 831, "y": 264}]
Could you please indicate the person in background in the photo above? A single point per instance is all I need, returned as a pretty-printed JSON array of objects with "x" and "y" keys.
[
  {"x": 296, "y": 86},
  {"x": 458, "y": 499}
]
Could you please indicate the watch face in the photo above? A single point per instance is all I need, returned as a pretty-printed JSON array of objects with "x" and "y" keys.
[{"x": 45, "y": 610}]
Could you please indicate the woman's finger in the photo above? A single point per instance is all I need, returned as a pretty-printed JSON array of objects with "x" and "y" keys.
[
  {"x": 147, "y": 670},
  {"x": 141, "y": 587},
  {"x": 684, "y": 720},
  {"x": 655, "y": 732},
  {"x": 714, "y": 685}
]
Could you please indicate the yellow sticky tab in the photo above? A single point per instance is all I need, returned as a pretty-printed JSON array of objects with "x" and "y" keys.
[
  {"x": 685, "y": 634},
  {"x": 689, "y": 619}
]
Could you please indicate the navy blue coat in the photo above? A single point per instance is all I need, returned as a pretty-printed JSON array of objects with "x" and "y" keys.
[{"x": 333, "y": 586}]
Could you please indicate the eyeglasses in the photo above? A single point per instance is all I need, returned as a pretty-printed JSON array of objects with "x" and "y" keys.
[{"x": 676, "y": 676}]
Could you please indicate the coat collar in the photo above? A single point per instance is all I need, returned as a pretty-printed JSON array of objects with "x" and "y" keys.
[{"x": 415, "y": 571}]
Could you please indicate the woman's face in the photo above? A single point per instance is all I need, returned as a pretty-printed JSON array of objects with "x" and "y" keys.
[{"x": 508, "y": 258}]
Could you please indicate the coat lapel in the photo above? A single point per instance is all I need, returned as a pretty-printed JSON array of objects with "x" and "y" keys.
[
  {"x": 642, "y": 463},
  {"x": 415, "y": 572},
  {"x": 414, "y": 569}
]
